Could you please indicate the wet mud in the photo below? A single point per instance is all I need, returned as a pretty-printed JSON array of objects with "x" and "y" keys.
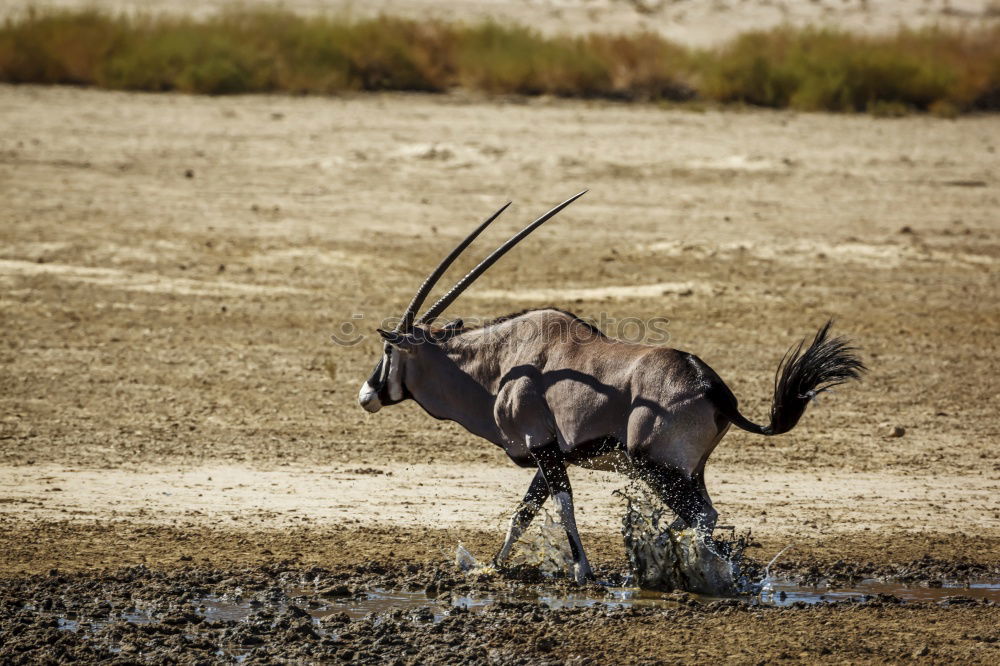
[{"x": 408, "y": 613}]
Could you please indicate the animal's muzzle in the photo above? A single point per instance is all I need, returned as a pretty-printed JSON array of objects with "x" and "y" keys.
[{"x": 368, "y": 398}]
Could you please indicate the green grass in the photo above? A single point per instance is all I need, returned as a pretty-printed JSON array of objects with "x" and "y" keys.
[{"x": 270, "y": 51}]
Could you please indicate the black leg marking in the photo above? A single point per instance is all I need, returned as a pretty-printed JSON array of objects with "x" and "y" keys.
[
  {"x": 698, "y": 479},
  {"x": 552, "y": 467},
  {"x": 533, "y": 499},
  {"x": 682, "y": 494},
  {"x": 526, "y": 511}
]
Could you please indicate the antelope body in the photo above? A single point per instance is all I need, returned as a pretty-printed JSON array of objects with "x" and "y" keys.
[{"x": 553, "y": 391}]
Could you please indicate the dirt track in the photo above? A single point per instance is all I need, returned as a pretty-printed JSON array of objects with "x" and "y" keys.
[{"x": 172, "y": 269}]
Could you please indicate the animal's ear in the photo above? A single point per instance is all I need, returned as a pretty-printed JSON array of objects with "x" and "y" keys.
[
  {"x": 448, "y": 331},
  {"x": 394, "y": 338},
  {"x": 402, "y": 341}
]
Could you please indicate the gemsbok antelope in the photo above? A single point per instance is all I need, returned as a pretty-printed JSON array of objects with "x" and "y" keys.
[{"x": 552, "y": 391}]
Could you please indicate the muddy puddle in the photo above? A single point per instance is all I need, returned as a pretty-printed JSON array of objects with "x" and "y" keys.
[
  {"x": 425, "y": 612},
  {"x": 420, "y": 606},
  {"x": 663, "y": 561},
  {"x": 778, "y": 593},
  {"x": 786, "y": 593},
  {"x": 246, "y": 622},
  {"x": 417, "y": 613}
]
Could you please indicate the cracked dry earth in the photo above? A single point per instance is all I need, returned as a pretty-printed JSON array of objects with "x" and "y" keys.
[{"x": 177, "y": 433}]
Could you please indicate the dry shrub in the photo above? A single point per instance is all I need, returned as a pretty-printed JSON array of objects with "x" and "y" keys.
[
  {"x": 186, "y": 56},
  {"x": 392, "y": 54},
  {"x": 245, "y": 51},
  {"x": 513, "y": 59},
  {"x": 831, "y": 70},
  {"x": 58, "y": 48},
  {"x": 644, "y": 66}
]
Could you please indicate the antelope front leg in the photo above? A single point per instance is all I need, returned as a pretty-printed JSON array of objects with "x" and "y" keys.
[
  {"x": 551, "y": 467},
  {"x": 526, "y": 511}
]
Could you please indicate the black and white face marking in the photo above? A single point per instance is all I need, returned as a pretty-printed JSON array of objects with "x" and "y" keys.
[
  {"x": 394, "y": 381},
  {"x": 368, "y": 396},
  {"x": 385, "y": 385}
]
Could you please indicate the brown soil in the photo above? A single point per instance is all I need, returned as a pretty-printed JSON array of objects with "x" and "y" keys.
[{"x": 172, "y": 269}]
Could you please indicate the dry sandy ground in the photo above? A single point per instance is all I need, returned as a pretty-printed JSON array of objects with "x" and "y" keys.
[
  {"x": 802, "y": 507},
  {"x": 171, "y": 269},
  {"x": 694, "y": 22}
]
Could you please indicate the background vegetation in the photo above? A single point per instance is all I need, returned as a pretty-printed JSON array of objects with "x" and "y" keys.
[{"x": 271, "y": 51}]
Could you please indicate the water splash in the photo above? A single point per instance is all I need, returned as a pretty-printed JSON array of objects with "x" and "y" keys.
[
  {"x": 545, "y": 548},
  {"x": 766, "y": 589},
  {"x": 662, "y": 558},
  {"x": 467, "y": 563}
]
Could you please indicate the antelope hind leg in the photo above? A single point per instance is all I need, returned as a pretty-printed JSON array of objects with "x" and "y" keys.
[
  {"x": 698, "y": 478},
  {"x": 684, "y": 498}
]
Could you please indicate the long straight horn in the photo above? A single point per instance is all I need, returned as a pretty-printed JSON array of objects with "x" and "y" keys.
[
  {"x": 457, "y": 290},
  {"x": 418, "y": 299}
]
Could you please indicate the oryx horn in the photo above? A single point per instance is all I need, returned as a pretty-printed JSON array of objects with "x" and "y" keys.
[
  {"x": 418, "y": 299},
  {"x": 457, "y": 290}
]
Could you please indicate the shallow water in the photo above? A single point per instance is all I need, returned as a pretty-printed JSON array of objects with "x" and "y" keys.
[
  {"x": 778, "y": 593},
  {"x": 786, "y": 593}
]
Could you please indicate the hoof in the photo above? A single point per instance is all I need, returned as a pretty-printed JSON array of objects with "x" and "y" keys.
[{"x": 582, "y": 573}]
